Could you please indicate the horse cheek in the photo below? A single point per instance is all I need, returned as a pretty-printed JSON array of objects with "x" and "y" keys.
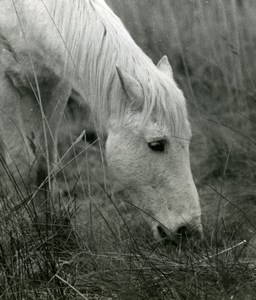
[{"x": 126, "y": 161}]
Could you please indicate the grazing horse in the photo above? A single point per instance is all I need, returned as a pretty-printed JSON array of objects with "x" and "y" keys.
[{"x": 136, "y": 103}]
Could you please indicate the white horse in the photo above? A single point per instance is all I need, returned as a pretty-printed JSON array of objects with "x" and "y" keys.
[{"x": 137, "y": 104}]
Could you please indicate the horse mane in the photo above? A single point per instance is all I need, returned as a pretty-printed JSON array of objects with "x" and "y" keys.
[{"x": 96, "y": 42}]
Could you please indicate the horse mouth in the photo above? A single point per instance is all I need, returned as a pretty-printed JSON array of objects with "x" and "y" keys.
[{"x": 183, "y": 237}]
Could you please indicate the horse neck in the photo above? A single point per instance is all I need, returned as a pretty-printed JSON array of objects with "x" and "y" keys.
[
  {"x": 91, "y": 41},
  {"x": 97, "y": 43}
]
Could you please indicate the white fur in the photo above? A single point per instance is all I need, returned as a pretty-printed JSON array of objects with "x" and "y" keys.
[
  {"x": 90, "y": 41},
  {"x": 93, "y": 42}
]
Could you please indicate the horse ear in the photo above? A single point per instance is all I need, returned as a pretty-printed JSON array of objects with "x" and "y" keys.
[
  {"x": 132, "y": 88},
  {"x": 164, "y": 66}
]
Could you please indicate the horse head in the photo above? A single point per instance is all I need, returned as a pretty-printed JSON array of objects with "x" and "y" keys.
[{"x": 151, "y": 160}]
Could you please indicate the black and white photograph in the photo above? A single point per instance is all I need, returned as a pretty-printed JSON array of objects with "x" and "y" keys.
[{"x": 128, "y": 149}]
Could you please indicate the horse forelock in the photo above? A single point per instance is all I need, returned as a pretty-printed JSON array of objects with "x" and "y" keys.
[{"x": 164, "y": 103}]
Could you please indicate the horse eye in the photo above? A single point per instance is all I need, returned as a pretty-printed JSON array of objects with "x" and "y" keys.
[{"x": 157, "y": 146}]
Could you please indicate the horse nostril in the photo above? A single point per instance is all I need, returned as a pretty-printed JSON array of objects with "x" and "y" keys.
[
  {"x": 161, "y": 232},
  {"x": 184, "y": 232},
  {"x": 181, "y": 236}
]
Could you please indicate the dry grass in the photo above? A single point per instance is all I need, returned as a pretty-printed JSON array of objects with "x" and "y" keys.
[{"x": 99, "y": 247}]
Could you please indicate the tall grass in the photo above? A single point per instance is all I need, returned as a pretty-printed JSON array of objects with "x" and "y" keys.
[{"x": 97, "y": 246}]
